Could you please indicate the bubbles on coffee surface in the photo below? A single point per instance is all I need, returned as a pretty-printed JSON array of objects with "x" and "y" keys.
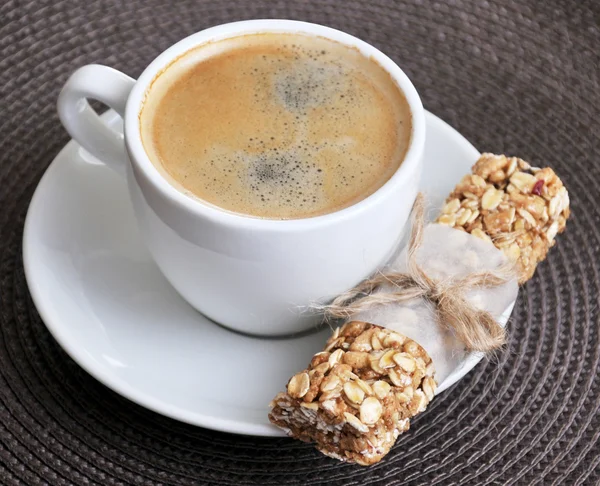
[
  {"x": 309, "y": 83},
  {"x": 293, "y": 179},
  {"x": 287, "y": 179}
]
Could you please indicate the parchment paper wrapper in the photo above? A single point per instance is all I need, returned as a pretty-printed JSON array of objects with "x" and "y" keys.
[{"x": 444, "y": 253}]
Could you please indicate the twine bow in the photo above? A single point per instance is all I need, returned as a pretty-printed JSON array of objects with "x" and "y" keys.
[{"x": 475, "y": 328}]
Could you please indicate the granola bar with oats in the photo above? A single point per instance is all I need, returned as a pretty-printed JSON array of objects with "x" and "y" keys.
[
  {"x": 358, "y": 395},
  {"x": 519, "y": 208}
]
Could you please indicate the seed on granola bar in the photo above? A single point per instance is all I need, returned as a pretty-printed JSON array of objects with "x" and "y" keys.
[
  {"x": 370, "y": 411},
  {"x": 298, "y": 385}
]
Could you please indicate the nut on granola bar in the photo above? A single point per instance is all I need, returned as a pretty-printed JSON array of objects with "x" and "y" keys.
[
  {"x": 358, "y": 395},
  {"x": 519, "y": 208}
]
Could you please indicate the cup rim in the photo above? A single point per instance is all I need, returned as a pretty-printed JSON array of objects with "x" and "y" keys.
[{"x": 144, "y": 167}]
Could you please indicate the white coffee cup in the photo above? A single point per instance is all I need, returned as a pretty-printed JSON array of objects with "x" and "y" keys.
[{"x": 253, "y": 275}]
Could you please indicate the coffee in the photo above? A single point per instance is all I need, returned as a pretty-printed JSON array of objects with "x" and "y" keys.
[{"x": 276, "y": 126}]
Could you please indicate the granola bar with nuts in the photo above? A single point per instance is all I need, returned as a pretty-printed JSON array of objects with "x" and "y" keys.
[
  {"x": 358, "y": 395},
  {"x": 519, "y": 208}
]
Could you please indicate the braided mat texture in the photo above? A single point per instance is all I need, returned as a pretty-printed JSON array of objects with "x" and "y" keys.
[{"x": 515, "y": 77}]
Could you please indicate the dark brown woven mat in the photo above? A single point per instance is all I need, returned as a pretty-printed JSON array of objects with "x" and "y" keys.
[{"x": 516, "y": 77}]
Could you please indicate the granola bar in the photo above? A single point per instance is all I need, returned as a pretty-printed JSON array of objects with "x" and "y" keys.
[
  {"x": 519, "y": 208},
  {"x": 358, "y": 395}
]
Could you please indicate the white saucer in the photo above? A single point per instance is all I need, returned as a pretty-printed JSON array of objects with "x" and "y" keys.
[{"x": 106, "y": 303}]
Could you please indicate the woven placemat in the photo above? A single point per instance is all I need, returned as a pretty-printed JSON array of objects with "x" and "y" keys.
[{"x": 514, "y": 77}]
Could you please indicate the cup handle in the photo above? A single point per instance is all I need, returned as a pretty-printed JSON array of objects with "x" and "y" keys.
[{"x": 112, "y": 88}]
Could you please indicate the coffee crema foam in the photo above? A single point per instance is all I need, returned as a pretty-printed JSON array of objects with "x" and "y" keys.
[{"x": 277, "y": 126}]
